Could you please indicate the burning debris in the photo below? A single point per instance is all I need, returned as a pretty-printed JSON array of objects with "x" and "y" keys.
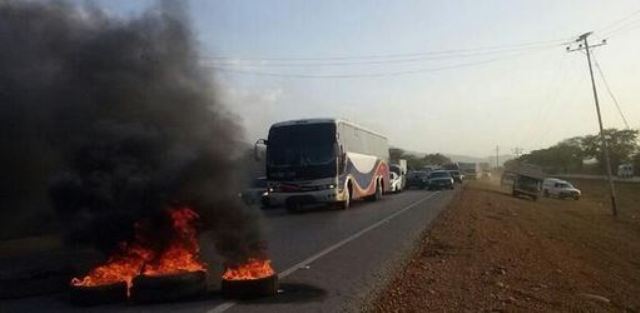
[
  {"x": 121, "y": 123},
  {"x": 135, "y": 260},
  {"x": 256, "y": 278}
]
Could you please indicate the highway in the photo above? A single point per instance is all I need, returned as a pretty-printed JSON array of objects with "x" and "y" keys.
[{"x": 328, "y": 260}]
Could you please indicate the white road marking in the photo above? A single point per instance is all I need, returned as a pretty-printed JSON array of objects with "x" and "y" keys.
[{"x": 227, "y": 305}]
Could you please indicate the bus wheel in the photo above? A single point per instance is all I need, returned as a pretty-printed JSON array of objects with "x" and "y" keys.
[
  {"x": 344, "y": 205},
  {"x": 378, "y": 194}
]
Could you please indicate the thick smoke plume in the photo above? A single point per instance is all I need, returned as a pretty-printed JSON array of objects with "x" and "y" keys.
[{"x": 119, "y": 120}]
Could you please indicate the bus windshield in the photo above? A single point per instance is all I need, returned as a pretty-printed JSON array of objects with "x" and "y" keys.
[
  {"x": 301, "y": 145},
  {"x": 302, "y": 151}
]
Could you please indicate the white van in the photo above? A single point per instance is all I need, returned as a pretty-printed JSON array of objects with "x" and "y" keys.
[
  {"x": 560, "y": 188},
  {"x": 625, "y": 170}
]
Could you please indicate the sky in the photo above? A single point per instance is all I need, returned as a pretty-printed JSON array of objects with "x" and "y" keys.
[{"x": 396, "y": 67}]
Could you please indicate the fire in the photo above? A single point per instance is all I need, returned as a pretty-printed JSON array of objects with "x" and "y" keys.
[
  {"x": 183, "y": 251},
  {"x": 122, "y": 267},
  {"x": 253, "y": 269},
  {"x": 132, "y": 260}
]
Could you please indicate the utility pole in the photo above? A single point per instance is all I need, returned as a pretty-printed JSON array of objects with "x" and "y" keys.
[
  {"x": 605, "y": 149},
  {"x": 497, "y": 157}
]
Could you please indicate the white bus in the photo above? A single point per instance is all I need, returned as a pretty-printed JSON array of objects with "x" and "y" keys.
[{"x": 328, "y": 161}]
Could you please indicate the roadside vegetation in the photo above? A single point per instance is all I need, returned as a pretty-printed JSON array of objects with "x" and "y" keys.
[
  {"x": 418, "y": 162},
  {"x": 490, "y": 252},
  {"x": 569, "y": 155}
]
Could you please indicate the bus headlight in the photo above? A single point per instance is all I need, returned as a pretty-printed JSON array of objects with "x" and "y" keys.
[{"x": 325, "y": 187}]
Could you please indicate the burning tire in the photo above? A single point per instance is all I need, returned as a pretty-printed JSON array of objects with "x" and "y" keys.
[
  {"x": 172, "y": 287},
  {"x": 95, "y": 295},
  {"x": 253, "y": 279},
  {"x": 250, "y": 288}
]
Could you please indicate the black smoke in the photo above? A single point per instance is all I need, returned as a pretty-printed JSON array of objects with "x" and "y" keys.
[{"x": 119, "y": 122}]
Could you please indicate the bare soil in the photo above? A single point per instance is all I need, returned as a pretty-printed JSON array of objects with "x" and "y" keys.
[{"x": 490, "y": 252}]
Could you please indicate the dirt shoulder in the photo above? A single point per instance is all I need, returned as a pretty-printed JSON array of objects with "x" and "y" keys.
[{"x": 491, "y": 252}]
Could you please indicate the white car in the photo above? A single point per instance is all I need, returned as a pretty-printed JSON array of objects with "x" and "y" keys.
[
  {"x": 396, "y": 182},
  {"x": 553, "y": 187}
]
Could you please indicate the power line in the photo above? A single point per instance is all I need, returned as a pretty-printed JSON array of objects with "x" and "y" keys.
[
  {"x": 626, "y": 29},
  {"x": 487, "y": 49},
  {"x": 606, "y": 85},
  {"x": 360, "y": 75},
  {"x": 619, "y": 21},
  {"x": 378, "y": 61}
]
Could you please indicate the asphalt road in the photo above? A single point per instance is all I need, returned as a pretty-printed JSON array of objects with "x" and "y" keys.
[{"x": 328, "y": 261}]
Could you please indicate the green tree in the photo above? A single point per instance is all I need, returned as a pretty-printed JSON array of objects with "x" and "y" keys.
[
  {"x": 564, "y": 157},
  {"x": 396, "y": 154},
  {"x": 636, "y": 163},
  {"x": 436, "y": 159},
  {"x": 622, "y": 144}
]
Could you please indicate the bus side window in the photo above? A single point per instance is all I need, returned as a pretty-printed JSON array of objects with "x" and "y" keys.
[{"x": 342, "y": 158}]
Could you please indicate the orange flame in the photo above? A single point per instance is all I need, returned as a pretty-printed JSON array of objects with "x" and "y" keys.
[
  {"x": 131, "y": 260},
  {"x": 183, "y": 251},
  {"x": 253, "y": 269},
  {"x": 122, "y": 267}
]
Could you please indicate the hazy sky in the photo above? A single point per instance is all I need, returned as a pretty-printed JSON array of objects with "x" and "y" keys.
[{"x": 527, "y": 96}]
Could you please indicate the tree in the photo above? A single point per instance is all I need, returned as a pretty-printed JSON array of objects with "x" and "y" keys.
[
  {"x": 566, "y": 156},
  {"x": 622, "y": 144},
  {"x": 415, "y": 162},
  {"x": 435, "y": 159},
  {"x": 396, "y": 153},
  {"x": 636, "y": 163}
]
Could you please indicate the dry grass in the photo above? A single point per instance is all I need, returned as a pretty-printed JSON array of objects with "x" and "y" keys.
[{"x": 493, "y": 252}]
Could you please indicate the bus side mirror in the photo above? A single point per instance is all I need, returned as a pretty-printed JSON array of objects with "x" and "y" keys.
[{"x": 259, "y": 149}]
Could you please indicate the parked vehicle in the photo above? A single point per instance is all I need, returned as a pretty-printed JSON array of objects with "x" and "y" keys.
[
  {"x": 430, "y": 168},
  {"x": 440, "y": 180},
  {"x": 400, "y": 169},
  {"x": 526, "y": 186},
  {"x": 470, "y": 170},
  {"x": 454, "y": 166},
  {"x": 457, "y": 176},
  {"x": 324, "y": 161},
  {"x": 524, "y": 180},
  {"x": 257, "y": 193},
  {"x": 396, "y": 182},
  {"x": 553, "y": 187},
  {"x": 625, "y": 170},
  {"x": 417, "y": 179}
]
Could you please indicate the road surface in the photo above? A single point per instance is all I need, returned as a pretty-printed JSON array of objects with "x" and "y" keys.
[{"x": 328, "y": 261}]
